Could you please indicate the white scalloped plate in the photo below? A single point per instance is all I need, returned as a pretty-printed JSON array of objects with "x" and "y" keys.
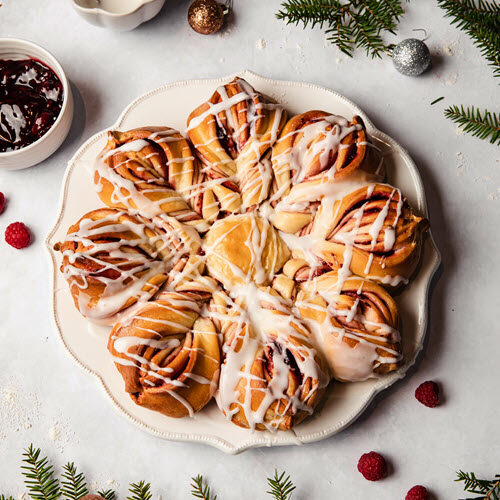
[{"x": 170, "y": 105}]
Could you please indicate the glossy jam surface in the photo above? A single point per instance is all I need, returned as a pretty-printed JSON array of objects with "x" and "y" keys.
[{"x": 31, "y": 97}]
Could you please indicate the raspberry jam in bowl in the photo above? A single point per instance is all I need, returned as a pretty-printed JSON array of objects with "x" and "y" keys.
[
  {"x": 36, "y": 105},
  {"x": 31, "y": 97}
]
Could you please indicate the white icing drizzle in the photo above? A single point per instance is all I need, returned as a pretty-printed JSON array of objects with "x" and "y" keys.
[
  {"x": 123, "y": 257},
  {"x": 184, "y": 310},
  {"x": 247, "y": 168},
  {"x": 349, "y": 363},
  {"x": 149, "y": 202},
  {"x": 348, "y": 238},
  {"x": 260, "y": 320},
  {"x": 270, "y": 327},
  {"x": 255, "y": 322}
]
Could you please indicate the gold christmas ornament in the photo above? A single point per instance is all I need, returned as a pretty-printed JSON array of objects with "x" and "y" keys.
[{"x": 206, "y": 16}]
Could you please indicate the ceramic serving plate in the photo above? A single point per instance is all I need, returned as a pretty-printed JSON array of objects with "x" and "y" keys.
[{"x": 170, "y": 105}]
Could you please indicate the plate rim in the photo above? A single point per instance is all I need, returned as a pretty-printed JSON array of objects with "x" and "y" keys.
[{"x": 253, "y": 440}]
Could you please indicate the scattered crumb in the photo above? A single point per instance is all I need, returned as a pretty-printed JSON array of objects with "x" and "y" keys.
[
  {"x": 261, "y": 44},
  {"x": 225, "y": 33},
  {"x": 338, "y": 60},
  {"x": 451, "y": 48},
  {"x": 460, "y": 163},
  {"x": 222, "y": 59},
  {"x": 448, "y": 49},
  {"x": 19, "y": 410},
  {"x": 62, "y": 435},
  {"x": 54, "y": 433},
  {"x": 452, "y": 79},
  {"x": 459, "y": 130}
]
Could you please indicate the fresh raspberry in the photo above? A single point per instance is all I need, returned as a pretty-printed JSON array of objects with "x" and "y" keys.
[
  {"x": 2, "y": 202},
  {"x": 17, "y": 235},
  {"x": 428, "y": 394},
  {"x": 417, "y": 493},
  {"x": 372, "y": 466}
]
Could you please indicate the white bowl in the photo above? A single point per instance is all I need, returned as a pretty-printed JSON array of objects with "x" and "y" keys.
[
  {"x": 121, "y": 15},
  {"x": 13, "y": 48}
]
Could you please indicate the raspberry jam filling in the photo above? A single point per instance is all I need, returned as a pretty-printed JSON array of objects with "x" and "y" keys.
[{"x": 31, "y": 97}]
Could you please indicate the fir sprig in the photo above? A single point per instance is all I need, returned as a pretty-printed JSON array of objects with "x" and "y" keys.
[
  {"x": 348, "y": 24},
  {"x": 73, "y": 485},
  {"x": 3, "y": 497},
  {"x": 482, "y": 124},
  {"x": 281, "y": 486},
  {"x": 140, "y": 491},
  {"x": 489, "y": 489},
  {"x": 480, "y": 19},
  {"x": 200, "y": 489},
  {"x": 39, "y": 474},
  {"x": 107, "y": 494}
]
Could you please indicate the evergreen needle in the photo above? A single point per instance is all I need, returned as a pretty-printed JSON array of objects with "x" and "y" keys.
[
  {"x": 437, "y": 100},
  {"x": 480, "y": 19},
  {"x": 73, "y": 485},
  {"x": 489, "y": 489},
  {"x": 140, "y": 491},
  {"x": 3, "y": 497},
  {"x": 347, "y": 23},
  {"x": 482, "y": 124},
  {"x": 200, "y": 489},
  {"x": 107, "y": 494},
  {"x": 39, "y": 474},
  {"x": 281, "y": 486}
]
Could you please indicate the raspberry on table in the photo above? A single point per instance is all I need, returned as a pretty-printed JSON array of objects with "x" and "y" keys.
[
  {"x": 2, "y": 202},
  {"x": 373, "y": 466},
  {"x": 417, "y": 493},
  {"x": 428, "y": 394},
  {"x": 17, "y": 235}
]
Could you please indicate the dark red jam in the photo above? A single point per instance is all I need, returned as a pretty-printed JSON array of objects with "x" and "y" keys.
[{"x": 31, "y": 97}]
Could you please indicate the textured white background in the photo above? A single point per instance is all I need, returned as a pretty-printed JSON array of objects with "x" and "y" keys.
[{"x": 46, "y": 400}]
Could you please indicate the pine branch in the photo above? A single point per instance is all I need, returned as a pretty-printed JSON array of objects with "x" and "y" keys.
[
  {"x": 281, "y": 486},
  {"x": 107, "y": 494},
  {"x": 489, "y": 489},
  {"x": 39, "y": 476},
  {"x": 480, "y": 19},
  {"x": 348, "y": 23},
  {"x": 200, "y": 490},
  {"x": 3, "y": 497},
  {"x": 484, "y": 125},
  {"x": 140, "y": 491},
  {"x": 73, "y": 484}
]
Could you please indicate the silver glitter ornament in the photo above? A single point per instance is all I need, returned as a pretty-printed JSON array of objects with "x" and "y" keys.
[{"x": 411, "y": 57}]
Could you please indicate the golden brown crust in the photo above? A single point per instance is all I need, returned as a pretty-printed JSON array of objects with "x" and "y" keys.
[
  {"x": 286, "y": 378},
  {"x": 168, "y": 355},
  {"x": 359, "y": 312},
  {"x": 153, "y": 170},
  {"x": 378, "y": 225},
  {"x": 233, "y": 133},
  {"x": 242, "y": 247},
  {"x": 112, "y": 259},
  {"x": 315, "y": 148}
]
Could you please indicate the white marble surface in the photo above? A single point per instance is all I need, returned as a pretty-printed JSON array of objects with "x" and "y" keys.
[{"x": 46, "y": 400}]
